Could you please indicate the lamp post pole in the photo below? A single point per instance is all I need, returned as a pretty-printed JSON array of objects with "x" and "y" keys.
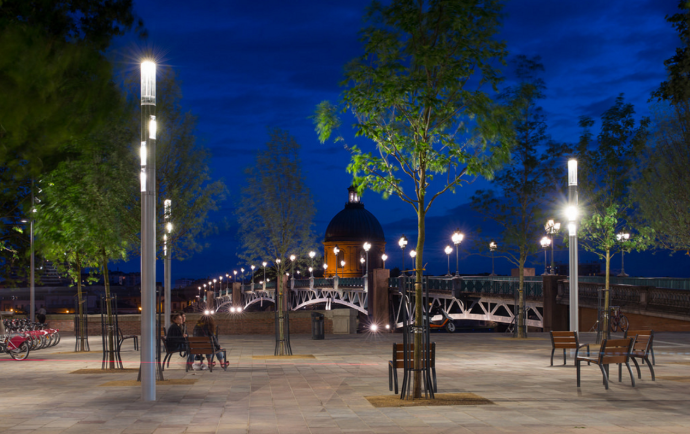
[
  {"x": 402, "y": 242},
  {"x": 492, "y": 246},
  {"x": 622, "y": 238},
  {"x": 457, "y": 239},
  {"x": 32, "y": 261},
  {"x": 572, "y": 245},
  {"x": 545, "y": 241},
  {"x": 336, "y": 250},
  {"x": 148, "y": 229},
  {"x": 448, "y": 251},
  {"x": 167, "y": 262}
]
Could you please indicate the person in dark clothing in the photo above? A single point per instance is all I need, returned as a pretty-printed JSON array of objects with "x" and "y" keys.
[
  {"x": 175, "y": 339},
  {"x": 206, "y": 326}
]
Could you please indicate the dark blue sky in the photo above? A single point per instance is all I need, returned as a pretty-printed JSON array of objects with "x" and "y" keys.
[{"x": 244, "y": 66}]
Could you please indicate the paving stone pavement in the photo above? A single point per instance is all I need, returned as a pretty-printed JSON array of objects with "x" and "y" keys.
[{"x": 326, "y": 394}]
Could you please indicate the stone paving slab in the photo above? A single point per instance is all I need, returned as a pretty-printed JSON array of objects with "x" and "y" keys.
[{"x": 327, "y": 394}]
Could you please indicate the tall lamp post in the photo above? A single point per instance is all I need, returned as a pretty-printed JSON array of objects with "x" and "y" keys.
[
  {"x": 336, "y": 250},
  {"x": 545, "y": 243},
  {"x": 402, "y": 242},
  {"x": 367, "y": 247},
  {"x": 148, "y": 229},
  {"x": 383, "y": 258},
  {"x": 264, "y": 282},
  {"x": 448, "y": 251},
  {"x": 622, "y": 238},
  {"x": 552, "y": 229},
  {"x": 572, "y": 215},
  {"x": 457, "y": 239},
  {"x": 311, "y": 256},
  {"x": 413, "y": 254},
  {"x": 167, "y": 262},
  {"x": 492, "y": 248}
]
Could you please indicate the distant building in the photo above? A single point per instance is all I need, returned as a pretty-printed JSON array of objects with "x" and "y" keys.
[
  {"x": 584, "y": 269},
  {"x": 183, "y": 283},
  {"x": 349, "y": 230}
]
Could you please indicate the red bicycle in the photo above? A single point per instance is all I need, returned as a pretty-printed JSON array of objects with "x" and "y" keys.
[{"x": 618, "y": 320}]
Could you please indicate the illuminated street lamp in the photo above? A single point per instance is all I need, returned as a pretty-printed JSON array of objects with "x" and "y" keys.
[
  {"x": 457, "y": 239},
  {"x": 311, "y": 256},
  {"x": 492, "y": 248},
  {"x": 383, "y": 258},
  {"x": 622, "y": 238},
  {"x": 264, "y": 282},
  {"x": 147, "y": 177},
  {"x": 448, "y": 251},
  {"x": 552, "y": 228},
  {"x": 336, "y": 250},
  {"x": 167, "y": 262},
  {"x": 402, "y": 242},
  {"x": 545, "y": 243},
  {"x": 367, "y": 247},
  {"x": 572, "y": 215}
]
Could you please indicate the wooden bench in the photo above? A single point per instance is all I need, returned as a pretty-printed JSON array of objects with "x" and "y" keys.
[
  {"x": 202, "y": 346},
  {"x": 398, "y": 362},
  {"x": 633, "y": 333},
  {"x": 644, "y": 339},
  {"x": 566, "y": 341},
  {"x": 612, "y": 351},
  {"x": 121, "y": 338}
]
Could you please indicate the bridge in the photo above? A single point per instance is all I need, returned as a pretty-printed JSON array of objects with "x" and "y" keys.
[{"x": 478, "y": 298}]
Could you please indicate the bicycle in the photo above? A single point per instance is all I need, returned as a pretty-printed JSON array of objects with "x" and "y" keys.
[{"x": 618, "y": 320}]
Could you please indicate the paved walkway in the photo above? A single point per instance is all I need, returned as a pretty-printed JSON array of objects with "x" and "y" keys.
[{"x": 326, "y": 394}]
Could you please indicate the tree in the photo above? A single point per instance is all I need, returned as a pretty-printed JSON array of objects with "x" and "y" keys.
[
  {"x": 420, "y": 93},
  {"x": 606, "y": 169},
  {"x": 275, "y": 213},
  {"x": 519, "y": 206},
  {"x": 660, "y": 190},
  {"x": 89, "y": 213},
  {"x": 55, "y": 82},
  {"x": 676, "y": 88}
]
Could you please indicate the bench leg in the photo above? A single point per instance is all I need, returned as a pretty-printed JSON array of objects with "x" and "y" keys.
[
  {"x": 606, "y": 378},
  {"x": 632, "y": 377},
  {"x": 650, "y": 368},
  {"x": 564, "y": 362},
  {"x": 395, "y": 379},
  {"x": 390, "y": 378},
  {"x": 433, "y": 372},
  {"x": 577, "y": 366},
  {"x": 553, "y": 350},
  {"x": 620, "y": 372},
  {"x": 639, "y": 374},
  {"x": 652, "y": 351}
]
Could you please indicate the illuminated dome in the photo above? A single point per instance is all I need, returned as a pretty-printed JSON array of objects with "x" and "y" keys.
[{"x": 354, "y": 223}]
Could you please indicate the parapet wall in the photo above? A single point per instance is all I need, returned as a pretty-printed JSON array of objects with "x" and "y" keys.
[{"x": 337, "y": 321}]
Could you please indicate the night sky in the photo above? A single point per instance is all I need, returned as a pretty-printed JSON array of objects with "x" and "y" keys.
[{"x": 246, "y": 66}]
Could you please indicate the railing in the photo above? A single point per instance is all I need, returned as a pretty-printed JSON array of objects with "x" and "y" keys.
[
  {"x": 657, "y": 282},
  {"x": 490, "y": 285},
  {"x": 644, "y": 297}
]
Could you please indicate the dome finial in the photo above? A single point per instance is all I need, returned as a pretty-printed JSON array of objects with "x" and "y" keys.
[{"x": 353, "y": 197}]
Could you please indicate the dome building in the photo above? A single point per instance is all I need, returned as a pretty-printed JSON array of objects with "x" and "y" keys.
[{"x": 349, "y": 230}]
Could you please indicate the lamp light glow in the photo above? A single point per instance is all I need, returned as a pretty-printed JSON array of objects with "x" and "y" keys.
[
  {"x": 153, "y": 126},
  {"x": 413, "y": 253},
  {"x": 367, "y": 246},
  {"x": 448, "y": 250},
  {"x": 142, "y": 154},
  {"x": 571, "y": 213},
  {"x": 148, "y": 83},
  {"x": 402, "y": 242},
  {"x": 293, "y": 257},
  {"x": 312, "y": 254},
  {"x": 374, "y": 327}
]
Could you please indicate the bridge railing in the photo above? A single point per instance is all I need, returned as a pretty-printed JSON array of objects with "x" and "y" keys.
[
  {"x": 629, "y": 296},
  {"x": 502, "y": 286},
  {"x": 657, "y": 282}
]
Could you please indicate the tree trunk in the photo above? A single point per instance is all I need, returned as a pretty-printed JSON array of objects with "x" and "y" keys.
[
  {"x": 281, "y": 315},
  {"x": 80, "y": 306},
  {"x": 521, "y": 300},
  {"x": 606, "y": 295},
  {"x": 417, "y": 356},
  {"x": 110, "y": 323}
]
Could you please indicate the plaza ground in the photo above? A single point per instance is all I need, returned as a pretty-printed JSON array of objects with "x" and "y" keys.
[{"x": 326, "y": 394}]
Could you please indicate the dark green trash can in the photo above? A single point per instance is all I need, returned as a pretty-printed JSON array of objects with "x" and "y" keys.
[{"x": 316, "y": 325}]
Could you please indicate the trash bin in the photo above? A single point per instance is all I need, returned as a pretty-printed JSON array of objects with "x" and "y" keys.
[{"x": 316, "y": 325}]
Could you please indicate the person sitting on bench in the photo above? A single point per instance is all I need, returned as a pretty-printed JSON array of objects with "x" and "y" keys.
[{"x": 206, "y": 326}]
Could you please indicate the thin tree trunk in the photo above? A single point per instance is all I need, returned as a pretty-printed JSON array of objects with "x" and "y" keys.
[
  {"x": 281, "y": 316},
  {"x": 521, "y": 300},
  {"x": 417, "y": 363},
  {"x": 110, "y": 322},
  {"x": 80, "y": 306},
  {"x": 606, "y": 294}
]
